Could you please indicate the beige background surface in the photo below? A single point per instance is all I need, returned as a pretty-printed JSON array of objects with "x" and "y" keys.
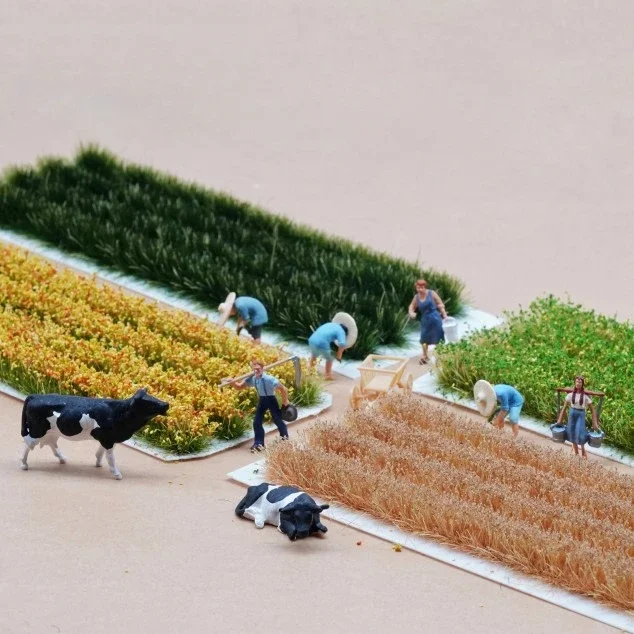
[{"x": 491, "y": 139}]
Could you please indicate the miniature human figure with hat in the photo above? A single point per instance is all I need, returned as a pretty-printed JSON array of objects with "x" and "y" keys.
[
  {"x": 508, "y": 398},
  {"x": 251, "y": 314},
  {"x": 266, "y": 386},
  {"x": 341, "y": 331},
  {"x": 576, "y": 431}
]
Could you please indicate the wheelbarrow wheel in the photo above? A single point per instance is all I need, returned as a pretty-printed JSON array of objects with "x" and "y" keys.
[{"x": 355, "y": 397}]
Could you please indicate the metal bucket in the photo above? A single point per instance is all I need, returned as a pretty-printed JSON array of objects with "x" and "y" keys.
[
  {"x": 450, "y": 329},
  {"x": 595, "y": 438},
  {"x": 559, "y": 432}
]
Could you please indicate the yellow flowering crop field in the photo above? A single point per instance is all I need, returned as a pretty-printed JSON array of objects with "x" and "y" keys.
[{"x": 60, "y": 332}]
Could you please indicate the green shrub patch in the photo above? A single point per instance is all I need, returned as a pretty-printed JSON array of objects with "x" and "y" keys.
[
  {"x": 204, "y": 244},
  {"x": 545, "y": 347}
]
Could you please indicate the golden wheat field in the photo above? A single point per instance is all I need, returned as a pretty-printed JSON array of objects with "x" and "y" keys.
[{"x": 434, "y": 472}]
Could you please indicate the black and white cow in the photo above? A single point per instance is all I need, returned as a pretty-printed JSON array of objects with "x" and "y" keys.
[
  {"x": 294, "y": 512},
  {"x": 48, "y": 417}
]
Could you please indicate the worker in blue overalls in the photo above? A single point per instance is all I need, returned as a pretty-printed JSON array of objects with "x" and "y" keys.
[
  {"x": 266, "y": 385},
  {"x": 251, "y": 313}
]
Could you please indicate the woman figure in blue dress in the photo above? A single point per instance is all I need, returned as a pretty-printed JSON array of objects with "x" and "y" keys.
[
  {"x": 431, "y": 311},
  {"x": 576, "y": 431}
]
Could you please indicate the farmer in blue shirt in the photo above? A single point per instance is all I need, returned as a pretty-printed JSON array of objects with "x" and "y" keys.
[
  {"x": 510, "y": 401},
  {"x": 251, "y": 314},
  {"x": 266, "y": 386},
  {"x": 321, "y": 340}
]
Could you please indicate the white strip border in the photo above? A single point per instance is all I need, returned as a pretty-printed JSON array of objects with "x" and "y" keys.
[
  {"x": 252, "y": 474},
  {"x": 427, "y": 384},
  {"x": 215, "y": 446}
]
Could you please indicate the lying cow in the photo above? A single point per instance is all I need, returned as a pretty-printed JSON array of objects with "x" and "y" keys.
[
  {"x": 48, "y": 417},
  {"x": 294, "y": 512}
]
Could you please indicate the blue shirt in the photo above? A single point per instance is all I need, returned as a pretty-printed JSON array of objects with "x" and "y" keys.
[
  {"x": 252, "y": 310},
  {"x": 508, "y": 396},
  {"x": 327, "y": 334},
  {"x": 265, "y": 385}
]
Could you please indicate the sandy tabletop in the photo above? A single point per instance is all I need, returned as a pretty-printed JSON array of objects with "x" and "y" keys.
[{"x": 489, "y": 139}]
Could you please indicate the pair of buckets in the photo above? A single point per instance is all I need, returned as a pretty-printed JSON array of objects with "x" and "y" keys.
[{"x": 595, "y": 438}]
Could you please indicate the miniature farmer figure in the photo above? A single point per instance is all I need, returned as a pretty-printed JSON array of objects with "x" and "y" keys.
[
  {"x": 576, "y": 431},
  {"x": 266, "y": 385},
  {"x": 429, "y": 306},
  {"x": 341, "y": 331},
  {"x": 251, "y": 313},
  {"x": 509, "y": 400}
]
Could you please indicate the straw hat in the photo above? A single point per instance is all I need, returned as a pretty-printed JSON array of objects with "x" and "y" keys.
[
  {"x": 225, "y": 308},
  {"x": 351, "y": 325},
  {"x": 485, "y": 397}
]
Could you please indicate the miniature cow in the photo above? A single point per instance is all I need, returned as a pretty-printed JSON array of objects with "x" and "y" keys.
[
  {"x": 48, "y": 417},
  {"x": 294, "y": 512}
]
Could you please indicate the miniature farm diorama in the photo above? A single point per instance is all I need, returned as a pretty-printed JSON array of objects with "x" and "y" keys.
[{"x": 426, "y": 469}]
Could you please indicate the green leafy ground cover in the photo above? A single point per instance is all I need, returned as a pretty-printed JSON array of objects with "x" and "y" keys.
[
  {"x": 204, "y": 244},
  {"x": 545, "y": 347}
]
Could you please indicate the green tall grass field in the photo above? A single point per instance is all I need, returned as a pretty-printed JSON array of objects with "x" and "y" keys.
[
  {"x": 545, "y": 347},
  {"x": 204, "y": 244}
]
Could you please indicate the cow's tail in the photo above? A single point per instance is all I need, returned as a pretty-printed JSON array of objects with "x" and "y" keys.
[{"x": 25, "y": 423}]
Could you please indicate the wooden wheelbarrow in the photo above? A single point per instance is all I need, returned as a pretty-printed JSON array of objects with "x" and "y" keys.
[{"x": 378, "y": 376}]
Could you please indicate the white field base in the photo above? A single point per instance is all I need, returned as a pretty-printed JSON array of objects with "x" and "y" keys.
[
  {"x": 427, "y": 384},
  {"x": 473, "y": 320},
  {"x": 253, "y": 474},
  {"x": 215, "y": 445}
]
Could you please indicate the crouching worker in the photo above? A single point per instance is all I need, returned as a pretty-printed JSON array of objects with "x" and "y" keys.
[
  {"x": 251, "y": 313},
  {"x": 266, "y": 385},
  {"x": 509, "y": 400},
  {"x": 341, "y": 331}
]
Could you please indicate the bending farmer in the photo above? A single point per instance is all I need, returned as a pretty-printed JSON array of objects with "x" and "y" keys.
[
  {"x": 251, "y": 313},
  {"x": 341, "y": 331},
  {"x": 510, "y": 401},
  {"x": 266, "y": 385}
]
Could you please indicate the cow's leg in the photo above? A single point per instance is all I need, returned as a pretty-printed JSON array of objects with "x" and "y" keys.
[
  {"x": 259, "y": 520},
  {"x": 99, "y": 455},
  {"x": 113, "y": 467},
  {"x": 58, "y": 454},
  {"x": 25, "y": 455}
]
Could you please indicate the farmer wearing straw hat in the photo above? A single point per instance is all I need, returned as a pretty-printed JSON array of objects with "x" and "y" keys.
[
  {"x": 251, "y": 314},
  {"x": 266, "y": 386},
  {"x": 509, "y": 400},
  {"x": 342, "y": 331}
]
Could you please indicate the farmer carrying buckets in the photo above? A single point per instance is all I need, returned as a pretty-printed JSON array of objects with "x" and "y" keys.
[{"x": 341, "y": 331}]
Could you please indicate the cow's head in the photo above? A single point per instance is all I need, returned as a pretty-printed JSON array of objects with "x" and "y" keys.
[
  {"x": 300, "y": 519},
  {"x": 145, "y": 407}
]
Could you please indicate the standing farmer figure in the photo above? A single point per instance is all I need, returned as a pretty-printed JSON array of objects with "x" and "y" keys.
[
  {"x": 432, "y": 311},
  {"x": 576, "y": 431},
  {"x": 341, "y": 331},
  {"x": 251, "y": 314},
  {"x": 266, "y": 386},
  {"x": 488, "y": 396}
]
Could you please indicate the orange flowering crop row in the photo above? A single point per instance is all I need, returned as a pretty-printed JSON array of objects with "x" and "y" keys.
[{"x": 60, "y": 329}]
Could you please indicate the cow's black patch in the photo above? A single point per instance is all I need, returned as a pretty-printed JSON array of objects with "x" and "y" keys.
[
  {"x": 277, "y": 495},
  {"x": 253, "y": 494},
  {"x": 303, "y": 501}
]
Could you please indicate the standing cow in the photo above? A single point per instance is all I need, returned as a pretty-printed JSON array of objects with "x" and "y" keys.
[
  {"x": 294, "y": 512},
  {"x": 48, "y": 417}
]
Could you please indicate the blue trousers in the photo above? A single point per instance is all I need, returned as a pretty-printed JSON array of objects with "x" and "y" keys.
[{"x": 267, "y": 403}]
